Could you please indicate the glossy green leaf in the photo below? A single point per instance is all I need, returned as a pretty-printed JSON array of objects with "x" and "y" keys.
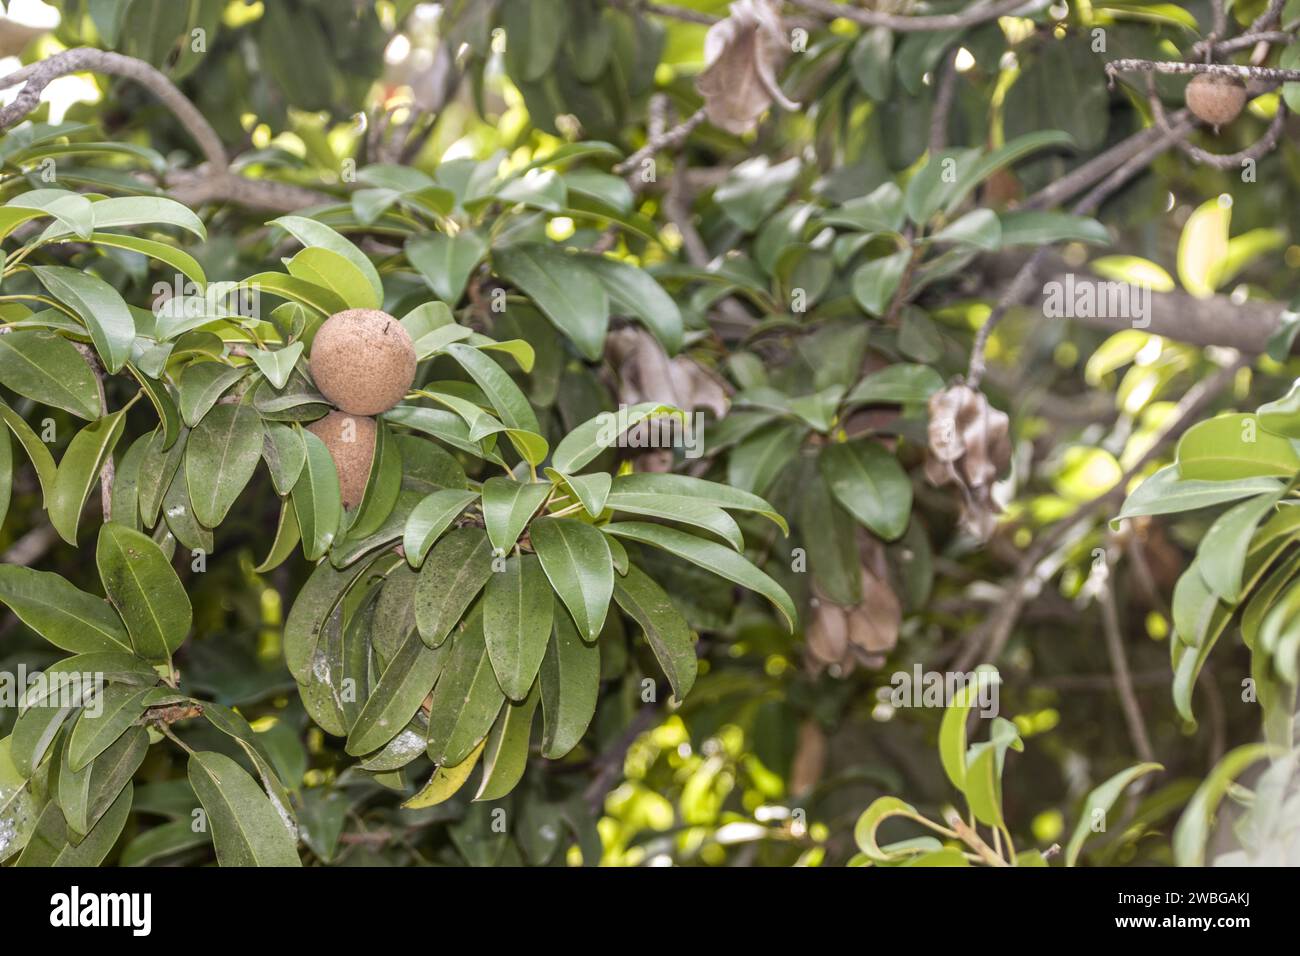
[
  {"x": 576, "y": 559},
  {"x": 99, "y": 306},
  {"x": 1099, "y": 800},
  {"x": 430, "y": 518},
  {"x": 144, "y": 588},
  {"x": 247, "y": 830},
  {"x": 65, "y": 616},
  {"x": 570, "y": 683},
  {"x": 563, "y": 288},
  {"x": 317, "y": 499},
  {"x": 870, "y": 483},
  {"x": 79, "y": 471},
  {"x": 220, "y": 459},
  {"x": 1234, "y": 446},
  {"x": 48, "y": 369},
  {"x": 466, "y": 700},
  {"x": 452, "y": 575},
  {"x": 716, "y": 558},
  {"x": 517, "y": 610},
  {"x": 666, "y": 631},
  {"x": 507, "y": 507}
]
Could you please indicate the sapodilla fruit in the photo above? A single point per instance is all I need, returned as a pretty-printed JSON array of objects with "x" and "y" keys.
[
  {"x": 351, "y": 443},
  {"x": 1216, "y": 99},
  {"x": 363, "y": 361}
]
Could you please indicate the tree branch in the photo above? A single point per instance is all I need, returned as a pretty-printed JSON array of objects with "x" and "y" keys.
[{"x": 979, "y": 13}]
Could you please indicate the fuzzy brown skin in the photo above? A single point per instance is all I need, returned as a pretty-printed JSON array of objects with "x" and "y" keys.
[
  {"x": 363, "y": 361},
  {"x": 1218, "y": 100},
  {"x": 351, "y": 443}
]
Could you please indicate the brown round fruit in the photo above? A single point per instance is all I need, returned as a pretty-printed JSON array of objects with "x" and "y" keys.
[
  {"x": 363, "y": 361},
  {"x": 351, "y": 443},
  {"x": 1216, "y": 99}
]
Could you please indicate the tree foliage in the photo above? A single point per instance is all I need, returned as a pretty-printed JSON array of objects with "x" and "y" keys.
[{"x": 781, "y": 368}]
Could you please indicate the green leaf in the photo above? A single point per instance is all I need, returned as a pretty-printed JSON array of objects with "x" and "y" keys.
[
  {"x": 1165, "y": 493},
  {"x": 498, "y": 387},
  {"x": 864, "y": 831},
  {"x": 698, "y": 490},
  {"x": 330, "y": 270},
  {"x": 695, "y": 513},
  {"x": 517, "y": 611},
  {"x": 99, "y": 306},
  {"x": 82, "y": 462},
  {"x": 220, "y": 459},
  {"x": 507, "y": 507},
  {"x": 277, "y": 365},
  {"x": 592, "y": 490},
  {"x": 247, "y": 829},
  {"x": 1203, "y": 248},
  {"x": 285, "y": 453},
  {"x": 396, "y": 698},
  {"x": 979, "y": 229},
  {"x": 1282, "y": 417},
  {"x": 570, "y": 683},
  {"x": 971, "y": 174},
  {"x": 666, "y": 631},
  {"x": 430, "y": 518},
  {"x": 1193, "y": 829},
  {"x": 633, "y": 292},
  {"x": 897, "y": 384},
  {"x": 201, "y": 385},
  {"x": 870, "y": 483},
  {"x": 137, "y": 211},
  {"x": 48, "y": 369},
  {"x": 577, "y": 561},
  {"x": 585, "y": 443},
  {"x": 466, "y": 700},
  {"x": 295, "y": 289},
  {"x": 317, "y": 499},
  {"x": 563, "y": 288},
  {"x": 451, "y": 577},
  {"x": 181, "y": 261},
  {"x": 1102, "y": 798},
  {"x": 41, "y": 459},
  {"x": 144, "y": 588},
  {"x": 312, "y": 233},
  {"x": 316, "y": 602},
  {"x": 1221, "y": 555},
  {"x": 505, "y": 754},
  {"x": 120, "y": 706},
  {"x": 50, "y": 843},
  {"x": 875, "y": 282},
  {"x": 716, "y": 558},
  {"x": 67, "y": 617},
  {"x": 952, "y": 729},
  {"x": 1234, "y": 446},
  {"x": 1032, "y": 227},
  {"x": 19, "y": 809},
  {"x": 446, "y": 262}
]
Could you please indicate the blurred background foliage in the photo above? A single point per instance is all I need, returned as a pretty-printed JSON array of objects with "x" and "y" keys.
[{"x": 783, "y": 742}]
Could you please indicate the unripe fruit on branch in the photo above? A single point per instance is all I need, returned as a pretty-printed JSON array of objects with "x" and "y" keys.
[
  {"x": 351, "y": 443},
  {"x": 1215, "y": 98},
  {"x": 363, "y": 361}
]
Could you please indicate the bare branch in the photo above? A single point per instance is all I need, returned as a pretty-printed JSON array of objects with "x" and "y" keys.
[{"x": 979, "y": 13}]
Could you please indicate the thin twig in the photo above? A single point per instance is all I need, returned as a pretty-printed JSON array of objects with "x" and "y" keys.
[
  {"x": 1176, "y": 67},
  {"x": 1033, "y": 571},
  {"x": 979, "y": 13},
  {"x": 1137, "y": 728}
]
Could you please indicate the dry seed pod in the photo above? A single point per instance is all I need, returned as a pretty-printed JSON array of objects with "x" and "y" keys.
[
  {"x": 351, "y": 443},
  {"x": 969, "y": 446},
  {"x": 741, "y": 56},
  {"x": 1216, "y": 99},
  {"x": 363, "y": 361}
]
